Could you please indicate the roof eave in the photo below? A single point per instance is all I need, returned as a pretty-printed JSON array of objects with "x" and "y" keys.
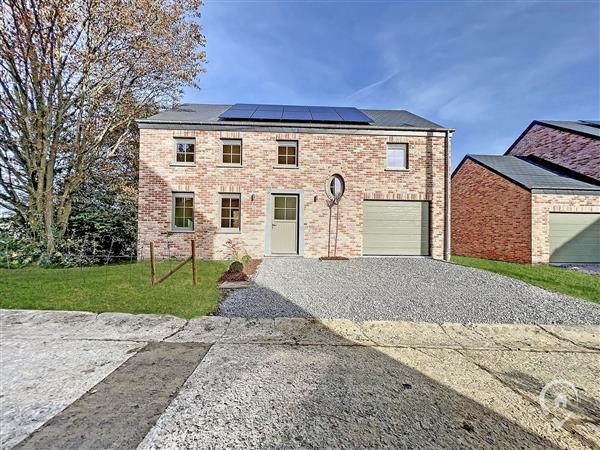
[{"x": 290, "y": 124}]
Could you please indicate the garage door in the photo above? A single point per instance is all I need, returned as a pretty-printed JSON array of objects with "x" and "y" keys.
[
  {"x": 395, "y": 228},
  {"x": 574, "y": 237}
]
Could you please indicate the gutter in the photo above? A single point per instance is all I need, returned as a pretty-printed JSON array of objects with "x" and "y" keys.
[
  {"x": 447, "y": 223},
  {"x": 231, "y": 123}
]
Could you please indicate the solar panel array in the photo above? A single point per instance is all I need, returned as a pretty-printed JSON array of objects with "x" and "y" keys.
[{"x": 290, "y": 113}]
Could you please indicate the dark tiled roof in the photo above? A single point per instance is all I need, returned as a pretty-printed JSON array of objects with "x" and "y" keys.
[
  {"x": 190, "y": 113},
  {"x": 532, "y": 175},
  {"x": 588, "y": 127}
]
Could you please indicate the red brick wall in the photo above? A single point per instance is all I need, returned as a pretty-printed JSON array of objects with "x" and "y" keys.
[
  {"x": 573, "y": 151},
  {"x": 491, "y": 217},
  {"x": 359, "y": 158}
]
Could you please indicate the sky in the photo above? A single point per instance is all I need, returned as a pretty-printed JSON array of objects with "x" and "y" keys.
[{"x": 484, "y": 68}]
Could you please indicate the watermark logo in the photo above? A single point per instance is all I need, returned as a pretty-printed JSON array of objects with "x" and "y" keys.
[{"x": 555, "y": 399}]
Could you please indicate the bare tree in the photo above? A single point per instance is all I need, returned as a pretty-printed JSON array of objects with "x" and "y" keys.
[{"x": 73, "y": 78}]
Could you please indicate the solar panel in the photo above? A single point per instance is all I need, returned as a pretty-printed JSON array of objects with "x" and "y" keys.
[
  {"x": 296, "y": 108},
  {"x": 353, "y": 115},
  {"x": 270, "y": 108},
  {"x": 267, "y": 115},
  {"x": 291, "y": 113},
  {"x": 326, "y": 116},
  {"x": 237, "y": 114},
  {"x": 296, "y": 115}
]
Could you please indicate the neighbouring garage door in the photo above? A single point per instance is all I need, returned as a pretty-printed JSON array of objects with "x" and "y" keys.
[
  {"x": 395, "y": 228},
  {"x": 574, "y": 237}
]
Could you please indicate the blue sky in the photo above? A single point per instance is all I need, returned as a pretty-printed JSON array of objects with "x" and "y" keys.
[{"x": 485, "y": 68}]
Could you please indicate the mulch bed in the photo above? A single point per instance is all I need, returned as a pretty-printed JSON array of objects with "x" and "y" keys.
[
  {"x": 241, "y": 276},
  {"x": 233, "y": 276},
  {"x": 333, "y": 258}
]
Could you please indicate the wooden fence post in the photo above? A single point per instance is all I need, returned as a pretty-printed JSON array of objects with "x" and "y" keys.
[
  {"x": 194, "y": 262},
  {"x": 152, "y": 264}
]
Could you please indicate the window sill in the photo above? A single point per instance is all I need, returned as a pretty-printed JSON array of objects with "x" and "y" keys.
[
  {"x": 175, "y": 164},
  {"x": 285, "y": 166},
  {"x": 226, "y": 231},
  {"x": 181, "y": 231},
  {"x": 230, "y": 166},
  {"x": 392, "y": 169}
]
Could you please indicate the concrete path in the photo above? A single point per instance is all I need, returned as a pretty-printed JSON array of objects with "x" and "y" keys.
[
  {"x": 415, "y": 289},
  {"x": 72, "y": 380}
]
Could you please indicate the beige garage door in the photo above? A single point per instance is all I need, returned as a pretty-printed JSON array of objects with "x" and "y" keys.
[
  {"x": 395, "y": 228},
  {"x": 574, "y": 237}
]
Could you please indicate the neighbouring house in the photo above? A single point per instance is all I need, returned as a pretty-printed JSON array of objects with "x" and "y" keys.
[
  {"x": 537, "y": 203},
  {"x": 261, "y": 176}
]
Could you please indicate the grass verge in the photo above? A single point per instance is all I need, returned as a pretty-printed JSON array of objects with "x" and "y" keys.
[
  {"x": 565, "y": 281},
  {"x": 116, "y": 288}
]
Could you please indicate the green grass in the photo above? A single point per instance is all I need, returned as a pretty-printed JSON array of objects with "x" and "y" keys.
[
  {"x": 556, "y": 279},
  {"x": 117, "y": 288}
]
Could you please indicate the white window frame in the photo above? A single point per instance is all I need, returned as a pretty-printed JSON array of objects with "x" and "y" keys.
[
  {"x": 184, "y": 141},
  {"x": 230, "y": 195},
  {"x": 286, "y": 144},
  {"x": 184, "y": 195},
  {"x": 397, "y": 146},
  {"x": 232, "y": 142}
]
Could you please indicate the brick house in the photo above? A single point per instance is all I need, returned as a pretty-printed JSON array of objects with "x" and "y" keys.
[
  {"x": 261, "y": 177},
  {"x": 538, "y": 203}
]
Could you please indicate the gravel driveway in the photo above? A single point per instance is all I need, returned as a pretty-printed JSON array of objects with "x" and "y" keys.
[{"x": 416, "y": 289}]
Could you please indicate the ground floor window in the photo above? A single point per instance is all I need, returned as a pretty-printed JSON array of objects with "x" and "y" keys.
[
  {"x": 230, "y": 211},
  {"x": 183, "y": 211}
]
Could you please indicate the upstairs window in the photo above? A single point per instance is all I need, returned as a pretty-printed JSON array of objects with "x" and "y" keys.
[
  {"x": 397, "y": 156},
  {"x": 183, "y": 211},
  {"x": 287, "y": 153},
  {"x": 232, "y": 152},
  {"x": 185, "y": 150},
  {"x": 230, "y": 211}
]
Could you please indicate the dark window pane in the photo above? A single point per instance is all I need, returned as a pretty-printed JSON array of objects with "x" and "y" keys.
[
  {"x": 224, "y": 223},
  {"x": 290, "y": 214},
  {"x": 281, "y": 150},
  {"x": 290, "y": 202},
  {"x": 191, "y": 148},
  {"x": 225, "y": 202},
  {"x": 279, "y": 214},
  {"x": 188, "y": 212},
  {"x": 227, "y": 158},
  {"x": 281, "y": 159},
  {"x": 236, "y": 149},
  {"x": 189, "y": 202},
  {"x": 225, "y": 213},
  {"x": 235, "y": 202},
  {"x": 236, "y": 159},
  {"x": 292, "y": 159},
  {"x": 279, "y": 202},
  {"x": 178, "y": 202},
  {"x": 189, "y": 157},
  {"x": 179, "y": 222},
  {"x": 180, "y": 157}
]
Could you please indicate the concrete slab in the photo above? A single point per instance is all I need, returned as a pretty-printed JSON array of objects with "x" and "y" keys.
[
  {"x": 294, "y": 383},
  {"x": 128, "y": 327},
  {"x": 39, "y": 378},
  {"x": 206, "y": 330},
  {"x": 30, "y": 324},
  {"x": 272, "y": 396},
  {"x": 508, "y": 336},
  {"x": 584, "y": 336},
  {"x": 407, "y": 334},
  {"x": 573, "y": 375}
]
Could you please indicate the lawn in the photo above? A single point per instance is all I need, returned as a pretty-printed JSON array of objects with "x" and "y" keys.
[
  {"x": 556, "y": 279},
  {"x": 117, "y": 288}
]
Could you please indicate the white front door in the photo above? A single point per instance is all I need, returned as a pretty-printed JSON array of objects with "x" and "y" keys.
[{"x": 284, "y": 224}]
